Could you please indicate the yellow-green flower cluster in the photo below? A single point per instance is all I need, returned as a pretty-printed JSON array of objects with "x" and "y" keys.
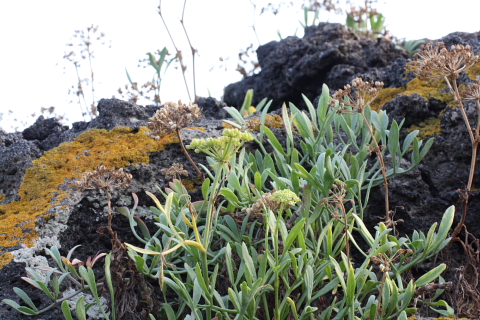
[
  {"x": 286, "y": 196},
  {"x": 224, "y": 147}
]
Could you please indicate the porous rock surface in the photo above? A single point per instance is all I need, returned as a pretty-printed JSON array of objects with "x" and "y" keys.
[{"x": 328, "y": 54}]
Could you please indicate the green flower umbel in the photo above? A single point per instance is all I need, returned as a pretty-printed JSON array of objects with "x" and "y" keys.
[
  {"x": 223, "y": 148},
  {"x": 287, "y": 197}
]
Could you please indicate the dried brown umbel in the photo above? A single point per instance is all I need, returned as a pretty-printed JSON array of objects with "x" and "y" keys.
[
  {"x": 175, "y": 171},
  {"x": 172, "y": 118},
  {"x": 358, "y": 95},
  {"x": 104, "y": 178},
  {"x": 472, "y": 93},
  {"x": 435, "y": 61}
]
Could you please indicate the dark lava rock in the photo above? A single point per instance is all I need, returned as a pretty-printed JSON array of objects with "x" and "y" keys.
[
  {"x": 328, "y": 53},
  {"x": 42, "y": 128},
  {"x": 402, "y": 107},
  {"x": 16, "y": 156},
  {"x": 212, "y": 108}
]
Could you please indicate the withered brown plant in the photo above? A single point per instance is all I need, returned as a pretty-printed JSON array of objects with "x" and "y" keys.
[
  {"x": 358, "y": 96},
  {"x": 175, "y": 171},
  {"x": 435, "y": 61},
  {"x": 179, "y": 54},
  {"x": 105, "y": 178},
  {"x": 86, "y": 41},
  {"x": 125, "y": 277},
  {"x": 172, "y": 118}
]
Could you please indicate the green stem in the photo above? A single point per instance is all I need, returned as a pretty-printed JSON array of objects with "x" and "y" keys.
[
  {"x": 207, "y": 282},
  {"x": 206, "y": 234},
  {"x": 211, "y": 207},
  {"x": 277, "y": 277}
]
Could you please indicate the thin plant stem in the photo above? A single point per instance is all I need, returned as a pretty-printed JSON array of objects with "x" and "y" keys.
[
  {"x": 379, "y": 308},
  {"x": 378, "y": 151},
  {"x": 193, "y": 52},
  {"x": 254, "y": 21},
  {"x": 207, "y": 282},
  {"x": 200, "y": 173},
  {"x": 179, "y": 53},
  {"x": 90, "y": 111},
  {"x": 277, "y": 277},
  {"x": 347, "y": 240},
  {"x": 474, "y": 139},
  {"x": 81, "y": 92}
]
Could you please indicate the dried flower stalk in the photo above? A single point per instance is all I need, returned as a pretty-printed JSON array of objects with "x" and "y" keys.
[
  {"x": 435, "y": 61},
  {"x": 172, "y": 118},
  {"x": 358, "y": 96}
]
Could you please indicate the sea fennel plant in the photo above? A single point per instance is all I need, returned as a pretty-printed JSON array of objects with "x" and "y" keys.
[
  {"x": 273, "y": 236},
  {"x": 266, "y": 259}
]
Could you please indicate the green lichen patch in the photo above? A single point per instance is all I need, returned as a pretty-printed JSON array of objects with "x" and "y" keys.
[
  {"x": 40, "y": 191},
  {"x": 428, "y": 128}
]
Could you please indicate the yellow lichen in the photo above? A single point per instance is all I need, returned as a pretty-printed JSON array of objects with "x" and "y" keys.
[
  {"x": 384, "y": 96},
  {"x": 40, "y": 191},
  {"x": 5, "y": 259},
  {"x": 190, "y": 185},
  {"x": 428, "y": 128},
  {"x": 2, "y": 197},
  {"x": 474, "y": 71},
  {"x": 429, "y": 89}
]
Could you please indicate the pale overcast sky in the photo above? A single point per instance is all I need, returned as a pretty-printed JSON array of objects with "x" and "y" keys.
[{"x": 34, "y": 35}]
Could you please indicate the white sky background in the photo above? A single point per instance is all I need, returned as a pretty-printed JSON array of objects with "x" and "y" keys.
[{"x": 34, "y": 35}]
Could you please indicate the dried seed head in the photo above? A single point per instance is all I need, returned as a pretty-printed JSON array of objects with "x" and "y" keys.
[
  {"x": 174, "y": 171},
  {"x": 435, "y": 61},
  {"x": 472, "y": 93},
  {"x": 172, "y": 117},
  {"x": 357, "y": 96},
  {"x": 104, "y": 178}
]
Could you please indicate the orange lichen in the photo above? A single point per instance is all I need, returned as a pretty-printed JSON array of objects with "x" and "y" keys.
[
  {"x": 429, "y": 89},
  {"x": 190, "y": 185},
  {"x": 428, "y": 128},
  {"x": 40, "y": 190},
  {"x": 384, "y": 96},
  {"x": 5, "y": 259},
  {"x": 474, "y": 71},
  {"x": 197, "y": 128}
]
